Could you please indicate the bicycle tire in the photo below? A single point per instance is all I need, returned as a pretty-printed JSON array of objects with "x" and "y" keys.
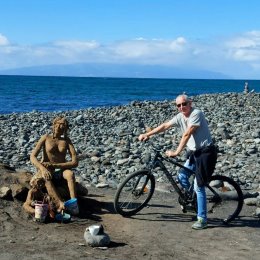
[
  {"x": 134, "y": 193},
  {"x": 228, "y": 202}
]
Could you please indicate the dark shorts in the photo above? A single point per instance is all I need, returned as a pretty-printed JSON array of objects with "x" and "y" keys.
[{"x": 57, "y": 175}]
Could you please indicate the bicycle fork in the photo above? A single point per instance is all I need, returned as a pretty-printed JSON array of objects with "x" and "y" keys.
[{"x": 138, "y": 189}]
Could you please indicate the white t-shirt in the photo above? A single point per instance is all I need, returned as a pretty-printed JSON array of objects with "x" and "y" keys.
[{"x": 201, "y": 137}]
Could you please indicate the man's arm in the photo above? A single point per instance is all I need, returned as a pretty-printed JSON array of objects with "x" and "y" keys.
[
  {"x": 184, "y": 139},
  {"x": 161, "y": 128}
]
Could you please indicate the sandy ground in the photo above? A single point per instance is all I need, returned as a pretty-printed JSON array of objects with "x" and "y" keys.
[{"x": 160, "y": 231}]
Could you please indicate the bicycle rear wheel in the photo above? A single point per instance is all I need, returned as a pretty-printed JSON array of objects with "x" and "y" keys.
[
  {"x": 224, "y": 199},
  {"x": 134, "y": 193}
]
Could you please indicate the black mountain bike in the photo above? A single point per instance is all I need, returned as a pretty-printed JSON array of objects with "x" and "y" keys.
[{"x": 224, "y": 196}]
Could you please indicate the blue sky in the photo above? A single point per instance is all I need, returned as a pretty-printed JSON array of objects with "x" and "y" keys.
[{"x": 221, "y": 36}]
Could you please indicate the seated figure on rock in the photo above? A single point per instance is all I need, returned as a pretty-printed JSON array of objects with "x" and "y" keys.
[{"x": 54, "y": 167}]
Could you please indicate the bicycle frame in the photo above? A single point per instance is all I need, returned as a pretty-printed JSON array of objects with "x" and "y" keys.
[{"x": 157, "y": 161}]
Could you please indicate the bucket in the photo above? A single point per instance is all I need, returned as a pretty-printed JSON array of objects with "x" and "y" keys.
[
  {"x": 63, "y": 217},
  {"x": 72, "y": 206},
  {"x": 41, "y": 211}
]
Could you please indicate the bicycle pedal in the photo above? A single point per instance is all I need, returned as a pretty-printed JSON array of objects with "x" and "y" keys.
[
  {"x": 188, "y": 208},
  {"x": 183, "y": 209}
]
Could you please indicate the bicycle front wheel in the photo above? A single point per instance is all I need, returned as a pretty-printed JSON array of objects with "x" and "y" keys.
[
  {"x": 224, "y": 199},
  {"x": 134, "y": 193}
]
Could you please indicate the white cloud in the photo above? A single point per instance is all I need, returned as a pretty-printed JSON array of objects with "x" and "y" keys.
[
  {"x": 241, "y": 43},
  {"x": 246, "y": 55},
  {"x": 233, "y": 56},
  {"x": 245, "y": 47},
  {"x": 3, "y": 40},
  {"x": 178, "y": 45},
  {"x": 77, "y": 45},
  {"x": 146, "y": 50}
]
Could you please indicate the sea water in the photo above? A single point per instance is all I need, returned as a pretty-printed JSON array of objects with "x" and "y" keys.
[{"x": 30, "y": 93}]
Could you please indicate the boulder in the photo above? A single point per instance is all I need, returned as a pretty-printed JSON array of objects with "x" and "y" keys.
[{"x": 13, "y": 184}]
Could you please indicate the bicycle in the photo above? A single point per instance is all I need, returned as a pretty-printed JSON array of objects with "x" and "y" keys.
[{"x": 224, "y": 195}]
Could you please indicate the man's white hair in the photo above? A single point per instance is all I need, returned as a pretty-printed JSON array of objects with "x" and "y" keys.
[{"x": 186, "y": 98}]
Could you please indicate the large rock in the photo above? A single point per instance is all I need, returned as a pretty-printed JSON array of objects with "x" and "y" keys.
[
  {"x": 14, "y": 184},
  {"x": 5, "y": 193}
]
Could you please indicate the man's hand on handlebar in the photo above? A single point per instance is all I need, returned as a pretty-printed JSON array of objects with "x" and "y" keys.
[
  {"x": 171, "y": 153},
  {"x": 143, "y": 137}
]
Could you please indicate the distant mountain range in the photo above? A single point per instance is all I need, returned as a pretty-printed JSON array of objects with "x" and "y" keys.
[{"x": 115, "y": 70}]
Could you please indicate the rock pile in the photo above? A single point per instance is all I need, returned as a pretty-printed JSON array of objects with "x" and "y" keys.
[{"x": 107, "y": 145}]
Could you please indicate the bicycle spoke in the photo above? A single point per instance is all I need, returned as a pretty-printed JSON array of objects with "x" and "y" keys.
[
  {"x": 134, "y": 193},
  {"x": 129, "y": 201},
  {"x": 225, "y": 203}
]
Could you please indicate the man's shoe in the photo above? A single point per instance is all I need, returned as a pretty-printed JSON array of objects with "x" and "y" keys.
[{"x": 200, "y": 224}]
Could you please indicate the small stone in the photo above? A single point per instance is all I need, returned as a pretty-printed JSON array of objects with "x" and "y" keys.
[{"x": 102, "y": 185}]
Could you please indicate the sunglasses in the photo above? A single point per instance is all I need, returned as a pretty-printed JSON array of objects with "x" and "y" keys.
[{"x": 184, "y": 104}]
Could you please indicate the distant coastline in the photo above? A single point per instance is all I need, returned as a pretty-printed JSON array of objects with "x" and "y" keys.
[{"x": 115, "y": 70}]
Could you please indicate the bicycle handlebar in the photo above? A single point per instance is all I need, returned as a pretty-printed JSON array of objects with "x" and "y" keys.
[{"x": 160, "y": 151}]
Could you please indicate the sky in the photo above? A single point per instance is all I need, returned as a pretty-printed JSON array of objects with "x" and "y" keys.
[{"x": 221, "y": 36}]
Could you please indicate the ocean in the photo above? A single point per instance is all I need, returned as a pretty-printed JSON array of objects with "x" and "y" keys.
[{"x": 47, "y": 94}]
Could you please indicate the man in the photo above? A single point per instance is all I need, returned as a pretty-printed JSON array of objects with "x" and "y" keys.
[
  {"x": 54, "y": 167},
  {"x": 196, "y": 136}
]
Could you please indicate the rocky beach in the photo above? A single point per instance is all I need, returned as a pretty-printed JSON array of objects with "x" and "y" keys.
[
  {"x": 106, "y": 138},
  {"x": 106, "y": 143}
]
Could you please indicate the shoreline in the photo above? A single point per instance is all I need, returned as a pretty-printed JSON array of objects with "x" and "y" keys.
[
  {"x": 105, "y": 138},
  {"x": 129, "y": 103}
]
